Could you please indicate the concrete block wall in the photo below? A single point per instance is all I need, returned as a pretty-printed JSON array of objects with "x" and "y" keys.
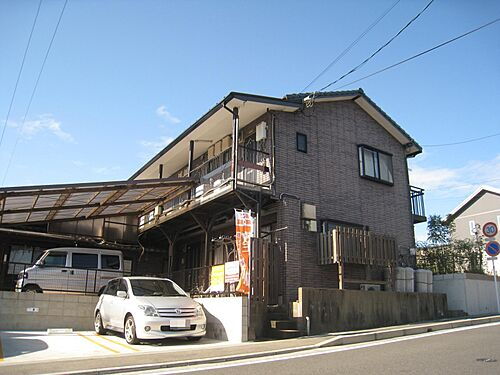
[
  {"x": 472, "y": 293},
  {"x": 227, "y": 318},
  {"x": 334, "y": 310},
  {"x": 54, "y": 311},
  {"x": 328, "y": 177}
]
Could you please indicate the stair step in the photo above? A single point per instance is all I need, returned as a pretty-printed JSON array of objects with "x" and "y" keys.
[
  {"x": 284, "y": 333},
  {"x": 283, "y": 324}
]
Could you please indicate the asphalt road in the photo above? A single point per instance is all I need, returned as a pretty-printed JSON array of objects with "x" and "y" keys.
[{"x": 462, "y": 351}]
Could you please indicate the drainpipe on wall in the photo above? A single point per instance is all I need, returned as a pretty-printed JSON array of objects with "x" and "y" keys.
[{"x": 236, "y": 128}]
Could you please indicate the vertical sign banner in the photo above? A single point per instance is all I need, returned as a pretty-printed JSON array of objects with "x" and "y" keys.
[
  {"x": 244, "y": 231},
  {"x": 217, "y": 279}
]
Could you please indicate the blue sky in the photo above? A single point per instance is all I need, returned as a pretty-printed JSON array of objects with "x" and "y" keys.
[{"x": 125, "y": 77}]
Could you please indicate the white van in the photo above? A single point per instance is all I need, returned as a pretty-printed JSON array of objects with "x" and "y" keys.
[{"x": 71, "y": 269}]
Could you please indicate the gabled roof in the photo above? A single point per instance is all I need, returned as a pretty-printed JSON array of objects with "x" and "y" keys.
[
  {"x": 360, "y": 98},
  {"x": 249, "y": 104},
  {"x": 259, "y": 104},
  {"x": 470, "y": 200}
]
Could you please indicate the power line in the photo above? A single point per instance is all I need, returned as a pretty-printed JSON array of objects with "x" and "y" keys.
[
  {"x": 20, "y": 71},
  {"x": 380, "y": 49},
  {"x": 462, "y": 142},
  {"x": 422, "y": 53},
  {"x": 356, "y": 41},
  {"x": 35, "y": 88}
]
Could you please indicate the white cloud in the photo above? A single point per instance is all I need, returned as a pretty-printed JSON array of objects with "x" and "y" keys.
[
  {"x": 157, "y": 146},
  {"x": 166, "y": 115},
  {"x": 44, "y": 123},
  {"x": 454, "y": 182}
]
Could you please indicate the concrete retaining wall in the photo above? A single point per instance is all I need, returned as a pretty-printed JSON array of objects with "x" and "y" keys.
[
  {"x": 54, "y": 311},
  {"x": 474, "y": 294},
  {"x": 334, "y": 310},
  {"x": 227, "y": 318}
]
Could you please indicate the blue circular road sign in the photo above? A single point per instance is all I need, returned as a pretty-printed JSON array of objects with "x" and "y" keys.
[{"x": 492, "y": 248}]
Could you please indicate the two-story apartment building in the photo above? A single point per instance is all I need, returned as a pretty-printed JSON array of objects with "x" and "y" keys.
[
  {"x": 335, "y": 162},
  {"x": 325, "y": 176}
]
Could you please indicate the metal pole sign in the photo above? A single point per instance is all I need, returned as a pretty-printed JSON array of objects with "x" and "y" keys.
[
  {"x": 495, "y": 281},
  {"x": 492, "y": 248},
  {"x": 490, "y": 229}
]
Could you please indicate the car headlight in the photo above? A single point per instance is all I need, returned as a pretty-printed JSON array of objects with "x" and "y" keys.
[
  {"x": 199, "y": 311},
  {"x": 148, "y": 310}
]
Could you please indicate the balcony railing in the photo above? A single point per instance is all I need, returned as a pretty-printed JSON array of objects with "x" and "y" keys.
[
  {"x": 214, "y": 176},
  {"x": 352, "y": 245},
  {"x": 417, "y": 204}
]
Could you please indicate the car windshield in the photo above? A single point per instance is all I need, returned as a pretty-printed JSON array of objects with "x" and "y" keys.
[{"x": 155, "y": 288}]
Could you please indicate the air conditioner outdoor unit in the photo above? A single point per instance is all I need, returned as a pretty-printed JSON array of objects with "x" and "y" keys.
[
  {"x": 370, "y": 287},
  {"x": 261, "y": 131}
]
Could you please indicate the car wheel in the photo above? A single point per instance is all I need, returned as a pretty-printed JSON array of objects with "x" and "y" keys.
[
  {"x": 194, "y": 338},
  {"x": 31, "y": 289},
  {"x": 99, "y": 328},
  {"x": 129, "y": 331}
]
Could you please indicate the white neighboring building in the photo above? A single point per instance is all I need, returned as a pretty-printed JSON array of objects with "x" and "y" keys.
[{"x": 480, "y": 207}]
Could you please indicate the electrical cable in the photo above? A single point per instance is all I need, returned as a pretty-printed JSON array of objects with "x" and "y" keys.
[
  {"x": 422, "y": 53},
  {"x": 462, "y": 142},
  {"x": 380, "y": 49},
  {"x": 20, "y": 71},
  {"x": 34, "y": 89},
  {"x": 356, "y": 41}
]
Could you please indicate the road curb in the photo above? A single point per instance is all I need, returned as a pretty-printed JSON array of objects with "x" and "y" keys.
[{"x": 356, "y": 338}]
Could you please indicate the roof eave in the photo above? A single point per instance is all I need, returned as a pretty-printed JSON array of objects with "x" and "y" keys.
[{"x": 226, "y": 100}]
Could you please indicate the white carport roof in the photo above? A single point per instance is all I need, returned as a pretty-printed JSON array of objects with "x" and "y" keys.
[{"x": 45, "y": 203}]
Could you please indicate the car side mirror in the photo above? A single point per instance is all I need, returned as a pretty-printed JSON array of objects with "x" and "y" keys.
[{"x": 121, "y": 294}]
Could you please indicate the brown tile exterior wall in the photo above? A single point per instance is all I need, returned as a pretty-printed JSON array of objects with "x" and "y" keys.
[{"x": 328, "y": 177}]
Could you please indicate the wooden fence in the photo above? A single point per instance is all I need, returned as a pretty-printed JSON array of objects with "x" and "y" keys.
[{"x": 352, "y": 245}]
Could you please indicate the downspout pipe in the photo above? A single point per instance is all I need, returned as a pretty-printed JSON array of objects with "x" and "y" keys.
[{"x": 236, "y": 125}]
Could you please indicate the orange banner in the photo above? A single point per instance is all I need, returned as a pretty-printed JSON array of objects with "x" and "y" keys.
[{"x": 244, "y": 231}]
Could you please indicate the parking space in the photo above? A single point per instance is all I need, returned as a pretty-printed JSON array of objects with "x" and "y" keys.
[{"x": 23, "y": 346}]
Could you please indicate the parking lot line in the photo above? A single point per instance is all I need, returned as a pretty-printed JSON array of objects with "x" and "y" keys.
[
  {"x": 97, "y": 343},
  {"x": 126, "y": 346}
]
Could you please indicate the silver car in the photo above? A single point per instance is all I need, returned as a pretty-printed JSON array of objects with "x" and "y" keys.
[{"x": 148, "y": 308}]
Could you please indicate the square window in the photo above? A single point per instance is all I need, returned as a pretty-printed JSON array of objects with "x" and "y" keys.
[
  {"x": 375, "y": 165},
  {"x": 302, "y": 142}
]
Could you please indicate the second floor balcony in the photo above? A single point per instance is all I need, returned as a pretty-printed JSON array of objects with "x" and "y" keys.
[
  {"x": 417, "y": 205},
  {"x": 214, "y": 177}
]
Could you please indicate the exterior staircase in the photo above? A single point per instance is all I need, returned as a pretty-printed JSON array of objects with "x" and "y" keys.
[{"x": 280, "y": 326}]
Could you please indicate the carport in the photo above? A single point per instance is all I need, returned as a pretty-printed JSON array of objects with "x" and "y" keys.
[{"x": 97, "y": 214}]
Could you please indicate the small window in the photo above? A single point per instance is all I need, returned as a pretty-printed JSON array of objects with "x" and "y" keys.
[
  {"x": 55, "y": 258},
  {"x": 110, "y": 262},
  {"x": 85, "y": 261},
  {"x": 375, "y": 164},
  {"x": 301, "y": 142}
]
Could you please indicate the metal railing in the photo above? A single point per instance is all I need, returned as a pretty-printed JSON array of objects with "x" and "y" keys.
[
  {"x": 417, "y": 201},
  {"x": 23, "y": 277},
  {"x": 196, "y": 281},
  {"x": 254, "y": 169}
]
